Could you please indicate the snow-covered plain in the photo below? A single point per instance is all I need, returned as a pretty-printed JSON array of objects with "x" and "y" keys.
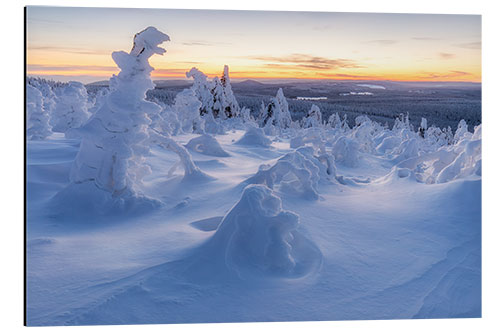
[{"x": 215, "y": 216}]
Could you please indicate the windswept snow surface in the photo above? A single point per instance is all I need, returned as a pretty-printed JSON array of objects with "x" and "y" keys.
[
  {"x": 197, "y": 212},
  {"x": 376, "y": 243}
]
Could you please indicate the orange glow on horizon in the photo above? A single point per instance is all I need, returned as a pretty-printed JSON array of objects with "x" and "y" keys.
[{"x": 161, "y": 73}]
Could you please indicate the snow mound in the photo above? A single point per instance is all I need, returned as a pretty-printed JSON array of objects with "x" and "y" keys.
[
  {"x": 254, "y": 136},
  {"x": 346, "y": 151},
  {"x": 297, "y": 173},
  {"x": 207, "y": 145},
  {"x": 258, "y": 236},
  {"x": 86, "y": 202}
]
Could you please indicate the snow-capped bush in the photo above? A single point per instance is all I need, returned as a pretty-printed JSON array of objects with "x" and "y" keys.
[
  {"x": 187, "y": 108},
  {"x": 346, "y": 152},
  {"x": 297, "y": 173},
  {"x": 168, "y": 121},
  {"x": 448, "y": 162},
  {"x": 46, "y": 88},
  {"x": 468, "y": 160},
  {"x": 254, "y": 136},
  {"x": 207, "y": 145},
  {"x": 71, "y": 109},
  {"x": 363, "y": 132},
  {"x": 37, "y": 119}
]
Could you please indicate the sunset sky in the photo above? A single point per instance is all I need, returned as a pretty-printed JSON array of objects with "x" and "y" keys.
[{"x": 76, "y": 44}]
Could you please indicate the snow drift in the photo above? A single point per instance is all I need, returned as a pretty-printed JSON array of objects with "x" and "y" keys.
[
  {"x": 258, "y": 238},
  {"x": 207, "y": 145}
]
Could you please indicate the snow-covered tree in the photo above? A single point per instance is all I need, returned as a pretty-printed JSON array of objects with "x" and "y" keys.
[
  {"x": 115, "y": 139},
  {"x": 276, "y": 113},
  {"x": 71, "y": 109},
  {"x": 334, "y": 121},
  {"x": 423, "y": 127},
  {"x": 38, "y": 127},
  {"x": 313, "y": 118},
  {"x": 230, "y": 104},
  {"x": 187, "y": 108},
  {"x": 217, "y": 96},
  {"x": 202, "y": 90},
  {"x": 46, "y": 88},
  {"x": 462, "y": 132}
]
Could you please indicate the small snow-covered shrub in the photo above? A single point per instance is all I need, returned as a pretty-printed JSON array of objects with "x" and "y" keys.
[
  {"x": 448, "y": 162},
  {"x": 187, "y": 108},
  {"x": 254, "y": 136},
  {"x": 297, "y": 173},
  {"x": 207, "y": 145},
  {"x": 71, "y": 110}
]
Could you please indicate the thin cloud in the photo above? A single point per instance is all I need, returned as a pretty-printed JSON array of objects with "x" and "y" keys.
[
  {"x": 449, "y": 75},
  {"x": 444, "y": 55},
  {"x": 204, "y": 43},
  {"x": 425, "y": 38},
  {"x": 306, "y": 61},
  {"x": 383, "y": 41},
  {"x": 473, "y": 45},
  {"x": 73, "y": 50},
  {"x": 168, "y": 71},
  {"x": 68, "y": 68},
  {"x": 346, "y": 76}
]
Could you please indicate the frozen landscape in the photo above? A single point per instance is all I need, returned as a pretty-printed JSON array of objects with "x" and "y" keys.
[{"x": 202, "y": 209}]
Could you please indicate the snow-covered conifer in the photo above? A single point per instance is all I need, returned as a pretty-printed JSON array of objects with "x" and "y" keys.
[
  {"x": 187, "y": 107},
  {"x": 276, "y": 113},
  {"x": 230, "y": 104},
  {"x": 334, "y": 121},
  {"x": 71, "y": 109},
  {"x": 114, "y": 139},
  {"x": 37, "y": 118},
  {"x": 313, "y": 118}
]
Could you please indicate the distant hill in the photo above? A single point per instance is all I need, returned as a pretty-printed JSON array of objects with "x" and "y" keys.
[{"x": 248, "y": 84}]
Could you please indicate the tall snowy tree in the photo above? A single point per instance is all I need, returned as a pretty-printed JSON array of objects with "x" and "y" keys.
[
  {"x": 230, "y": 104},
  {"x": 276, "y": 113},
  {"x": 115, "y": 139},
  {"x": 202, "y": 89}
]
